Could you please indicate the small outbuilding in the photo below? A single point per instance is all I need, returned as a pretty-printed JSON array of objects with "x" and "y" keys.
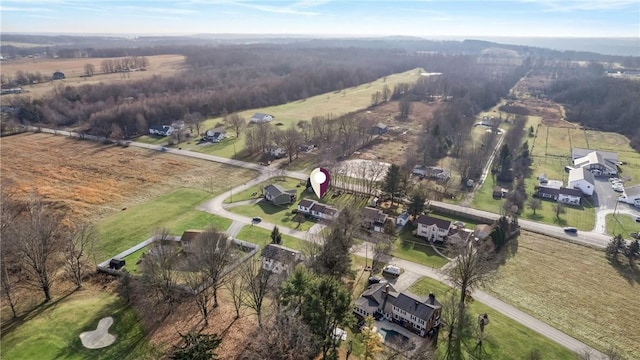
[
  {"x": 116, "y": 263},
  {"x": 58, "y": 75}
]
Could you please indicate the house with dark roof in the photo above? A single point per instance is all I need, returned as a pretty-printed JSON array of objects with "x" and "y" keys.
[
  {"x": 279, "y": 259},
  {"x": 188, "y": 239},
  {"x": 373, "y": 219},
  {"x": 379, "y": 129},
  {"x": 317, "y": 210},
  {"x": 215, "y": 134},
  {"x": 417, "y": 314},
  {"x": 562, "y": 195},
  {"x": 433, "y": 229},
  {"x": 58, "y": 75},
  {"x": 161, "y": 130},
  {"x": 277, "y": 195},
  {"x": 261, "y": 118},
  {"x": 402, "y": 219}
]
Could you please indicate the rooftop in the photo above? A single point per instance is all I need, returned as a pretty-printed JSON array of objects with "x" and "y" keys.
[
  {"x": 581, "y": 174},
  {"x": 428, "y": 221}
]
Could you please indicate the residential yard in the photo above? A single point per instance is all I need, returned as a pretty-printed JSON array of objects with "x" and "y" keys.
[
  {"x": 336, "y": 103},
  {"x": 174, "y": 211},
  {"x": 417, "y": 250},
  {"x": 262, "y": 237},
  {"x": 503, "y": 338},
  {"x": 93, "y": 180},
  {"x": 52, "y": 331},
  {"x": 283, "y": 215},
  {"x": 574, "y": 289},
  {"x": 621, "y": 224}
]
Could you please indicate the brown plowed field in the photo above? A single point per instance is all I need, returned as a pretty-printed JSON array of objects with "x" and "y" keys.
[{"x": 93, "y": 179}]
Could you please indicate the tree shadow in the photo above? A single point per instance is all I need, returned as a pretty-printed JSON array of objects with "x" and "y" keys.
[
  {"x": 14, "y": 323},
  {"x": 631, "y": 273}
]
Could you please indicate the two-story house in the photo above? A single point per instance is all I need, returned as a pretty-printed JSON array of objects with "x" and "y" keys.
[
  {"x": 433, "y": 229},
  {"x": 382, "y": 301}
]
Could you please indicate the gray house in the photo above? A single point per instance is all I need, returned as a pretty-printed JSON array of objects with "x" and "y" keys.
[{"x": 279, "y": 196}]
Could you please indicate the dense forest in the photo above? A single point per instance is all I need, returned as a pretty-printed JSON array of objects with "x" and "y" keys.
[{"x": 602, "y": 103}]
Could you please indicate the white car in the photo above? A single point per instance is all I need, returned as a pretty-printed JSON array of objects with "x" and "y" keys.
[
  {"x": 617, "y": 187},
  {"x": 391, "y": 270}
]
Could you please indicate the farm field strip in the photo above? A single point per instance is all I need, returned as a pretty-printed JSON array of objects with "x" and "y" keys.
[{"x": 573, "y": 289}]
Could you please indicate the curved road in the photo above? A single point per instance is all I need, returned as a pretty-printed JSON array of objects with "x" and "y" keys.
[{"x": 215, "y": 206}]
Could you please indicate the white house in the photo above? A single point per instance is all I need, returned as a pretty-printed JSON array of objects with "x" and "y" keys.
[
  {"x": 402, "y": 219},
  {"x": 582, "y": 179},
  {"x": 317, "y": 210},
  {"x": 631, "y": 195},
  {"x": 598, "y": 162},
  {"x": 562, "y": 195},
  {"x": 433, "y": 229},
  {"x": 215, "y": 135},
  {"x": 261, "y": 118},
  {"x": 279, "y": 259}
]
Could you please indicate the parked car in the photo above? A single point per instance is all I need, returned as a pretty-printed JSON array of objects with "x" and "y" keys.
[
  {"x": 638, "y": 219},
  {"x": 376, "y": 280},
  {"x": 570, "y": 230},
  {"x": 256, "y": 219},
  {"x": 618, "y": 188},
  {"x": 391, "y": 270},
  {"x": 615, "y": 180}
]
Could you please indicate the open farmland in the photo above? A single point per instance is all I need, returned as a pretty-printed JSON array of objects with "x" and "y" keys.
[
  {"x": 574, "y": 289},
  {"x": 336, "y": 103},
  {"x": 92, "y": 179},
  {"x": 74, "y": 68}
]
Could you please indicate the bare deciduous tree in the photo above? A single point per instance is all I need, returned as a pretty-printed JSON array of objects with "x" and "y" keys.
[
  {"x": 89, "y": 69},
  {"x": 236, "y": 288},
  {"x": 37, "y": 240},
  {"x": 291, "y": 140},
  {"x": 213, "y": 251},
  {"x": 471, "y": 266},
  {"x": 158, "y": 268},
  {"x": 236, "y": 122},
  {"x": 258, "y": 284},
  {"x": 285, "y": 337},
  {"x": 76, "y": 246}
]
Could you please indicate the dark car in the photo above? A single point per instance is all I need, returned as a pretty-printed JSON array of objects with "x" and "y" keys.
[
  {"x": 570, "y": 230},
  {"x": 638, "y": 219},
  {"x": 256, "y": 219},
  {"x": 375, "y": 280}
]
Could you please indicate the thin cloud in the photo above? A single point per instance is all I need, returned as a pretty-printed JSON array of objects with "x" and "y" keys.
[
  {"x": 24, "y": 9},
  {"x": 584, "y": 5},
  {"x": 171, "y": 11}
]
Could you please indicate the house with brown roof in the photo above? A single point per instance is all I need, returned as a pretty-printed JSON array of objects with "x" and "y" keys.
[
  {"x": 317, "y": 210},
  {"x": 417, "y": 314},
  {"x": 562, "y": 195},
  {"x": 188, "y": 238},
  {"x": 433, "y": 229},
  {"x": 373, "y": 219}
]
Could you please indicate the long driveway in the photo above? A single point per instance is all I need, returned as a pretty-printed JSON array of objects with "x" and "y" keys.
[{"x": 215, "y": 206}]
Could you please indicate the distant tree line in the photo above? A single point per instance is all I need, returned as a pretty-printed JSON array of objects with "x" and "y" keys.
[{"x": 602, "y": 103}]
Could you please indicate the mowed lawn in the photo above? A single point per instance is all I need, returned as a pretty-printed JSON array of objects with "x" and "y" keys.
[
  {"x": 416, "y": 249},
  {"x": 574, "y": 289},
  {"x": 262, "y": 237},
  {"x": 336, "y": 103},
  {"x": 503, "y": 338},
  {"x": 54, "y": 332},
  {"x": 174, "y": 211},
  {"x": 621, "y": 224}
]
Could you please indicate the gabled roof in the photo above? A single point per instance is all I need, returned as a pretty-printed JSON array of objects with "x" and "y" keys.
[
  {"x": 280, "y": 253},
  {"x": 306, "y": 203},
  {"x": 373, "y": 214},
  {"x": 324, "y": 209},
  {"x": 381, "y": 126},
  {"x": 580, "y": 152},
  {"x": 160, "y": 127},
  {"x": 581, "y": 174},
  {"x": 260, "y": 116},
  {"x": 428, "y": 221},
  {"x": 414, "y": 305},
  {"x": 277, "y": 190},
  {"x": 404, "y": 216},
  {"x": 375, "y": 298},
  {"x": 561, "y": 191}
]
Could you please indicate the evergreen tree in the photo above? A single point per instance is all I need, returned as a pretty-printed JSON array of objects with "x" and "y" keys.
[{"x": 276, "y": 236}]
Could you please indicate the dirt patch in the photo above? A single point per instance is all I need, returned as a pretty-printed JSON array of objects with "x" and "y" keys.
[
  {"x": 91, "y": 179},
  {"x": 74, "y": 68},
  {"x": 402, "y": 135}
]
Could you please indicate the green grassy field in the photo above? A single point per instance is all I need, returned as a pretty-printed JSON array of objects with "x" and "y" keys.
[
  {"x": 503, "y": 337},
  {"x": 174, "y": 211},
  {"x": 53, "y": 333},
  {"x": 417, "y": 250},
  {"x": 621, "y": 224},
  {"x": 574, "y": 289},
  {"x": 348, "y": 100},
  {"x": 262, "y": 237}
]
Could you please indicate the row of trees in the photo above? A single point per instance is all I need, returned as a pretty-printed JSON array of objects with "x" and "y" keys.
[
  {"x": 42, "y": 249},
  {"x": 124, "y": 64}
]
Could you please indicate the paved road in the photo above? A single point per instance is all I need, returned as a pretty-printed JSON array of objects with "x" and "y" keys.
[{"x": 215, "y": 206}]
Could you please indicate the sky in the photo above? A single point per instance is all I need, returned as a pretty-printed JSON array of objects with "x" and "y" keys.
[{"x": 425, "y": 18}]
